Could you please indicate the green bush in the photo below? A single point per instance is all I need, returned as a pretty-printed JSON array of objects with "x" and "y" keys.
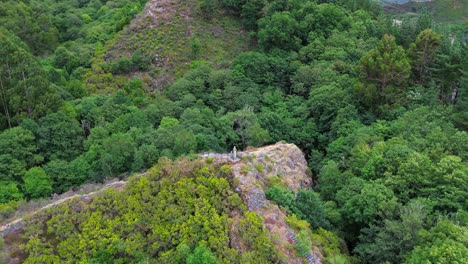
[
  {"x": 37, "y": 183},
  {"x": 259, "y": 167},
  {"x": 283, "y": 197},
  {"x": 246, "y": 169},
  {"x": 304, "y": 243}
]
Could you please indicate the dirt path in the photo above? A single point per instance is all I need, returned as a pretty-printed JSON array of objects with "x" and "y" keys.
[{"x": 17, "y": 223}]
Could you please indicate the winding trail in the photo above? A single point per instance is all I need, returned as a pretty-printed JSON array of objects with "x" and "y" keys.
[{"x": 17, "y": 223}]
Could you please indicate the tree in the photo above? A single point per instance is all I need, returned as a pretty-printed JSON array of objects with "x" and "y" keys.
[
  {"x": 116, "y": 154},
  {"x": 256, "y": 66},
  {"x": 278, "y": 31},
  {"x": 9, "y": 192},
  {"x": 362, "y": 201},
  {"x": 232, "y": 5},
  {"x": 207, "y": 8},
  {"x": 19, "y": 144},
  {"x": 312, "y": 208},
  {"x": 205, "y": 125},
  {"x": 392, "y": 240},
  {"x": 385, "y": 70},
  {"x": 245, "y": 125},
  {"x": 284, "y": 198},
  {"x": 422, "y": 53},
  {"x": 331, "y": 180},
  {"x": 172, "y": 138},
  {"x": 327, "y": 18},
  {"x": 60, "y": 137},
  {"x": 24, "y": 88},
  {"x": 37, "y": 183},
  {"x": 448, "y": 184},
  {"x": 65, "y": 59},
  {"x": 324, "y": 103},
  {"x": 11, "y": 169},
  {"x": 444, "y": 243},
  {"x": 252, "y": 12},
  {"x": 450, "y": 68},
  {"x": 66, "y": 175},
  {"x": 201, "y": 255},
  {"x": 30, "y": 23},
  {"x": 303, "y": 80}
]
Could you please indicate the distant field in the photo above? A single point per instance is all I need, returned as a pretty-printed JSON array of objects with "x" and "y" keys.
[{"x": 443, "y": 10}]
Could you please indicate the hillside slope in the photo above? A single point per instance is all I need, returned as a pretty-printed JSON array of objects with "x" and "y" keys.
[
  {"x": 160, "y": 210},
  {"x": 161, "y": 42},
  {"x": 444, "y": 11}
]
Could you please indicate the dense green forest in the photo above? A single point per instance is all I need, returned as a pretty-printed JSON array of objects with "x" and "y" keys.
[{"x": 378, "y": 108}]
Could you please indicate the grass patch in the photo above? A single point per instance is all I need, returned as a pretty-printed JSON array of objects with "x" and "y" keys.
[
  {"x": 297, "y": 224},
  {"x": 245, "y": 169},
  {"x": 259, "y": 167},
  {"x": 274, "y": 181}
]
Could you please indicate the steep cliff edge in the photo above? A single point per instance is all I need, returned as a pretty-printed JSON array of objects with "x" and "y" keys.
[{"x": 254, "y": 170}]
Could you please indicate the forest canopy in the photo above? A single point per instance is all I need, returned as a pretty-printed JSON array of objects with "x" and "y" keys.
[{"x": 379, "y": 109}]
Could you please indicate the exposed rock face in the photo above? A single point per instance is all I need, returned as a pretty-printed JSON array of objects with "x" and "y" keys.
[
  {"x": 256, "y": 167},
  {"x": 287, "y": 161}
]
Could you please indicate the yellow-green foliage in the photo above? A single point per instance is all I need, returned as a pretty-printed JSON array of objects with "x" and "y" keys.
[
  {"x": 339, "y": 259},
  {"x": 225, "y": 171},
  {"x": 327, "y": 241},
  {"x": 246, "y": 169},
  {"x": 261, "y": 249},
  {"x": 296, "y": 223},
  {"x": 7, "y": 209},
  {"x": 259, "y": 167},
  {"x": 176, "y": 207},
  {"x": 274, "y": 181},
  {"x": 303, "y": 243}
]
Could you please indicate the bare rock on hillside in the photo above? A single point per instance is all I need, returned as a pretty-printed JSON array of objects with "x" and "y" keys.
[
  {"x": 285, "y": 161},
  {"x": 259, "y": 167}
]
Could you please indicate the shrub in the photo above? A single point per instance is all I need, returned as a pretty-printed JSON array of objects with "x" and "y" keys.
[
  {"x": 259, "y": 167},
  {"x": 283, "y": 197},
  {"x": 296, "y": 223},
  {"x": 274, "y": 181},
  {"x": 303, "y": 243},
  {"x": 37, "y": 183},
  {"x": 246, "y": 169},
  {"x": 225, "y": 171}
]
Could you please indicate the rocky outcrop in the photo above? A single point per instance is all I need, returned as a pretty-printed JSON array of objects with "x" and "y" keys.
[
  {"x": 253, "y": 171},
  {"x": 283, "y": 160}
]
